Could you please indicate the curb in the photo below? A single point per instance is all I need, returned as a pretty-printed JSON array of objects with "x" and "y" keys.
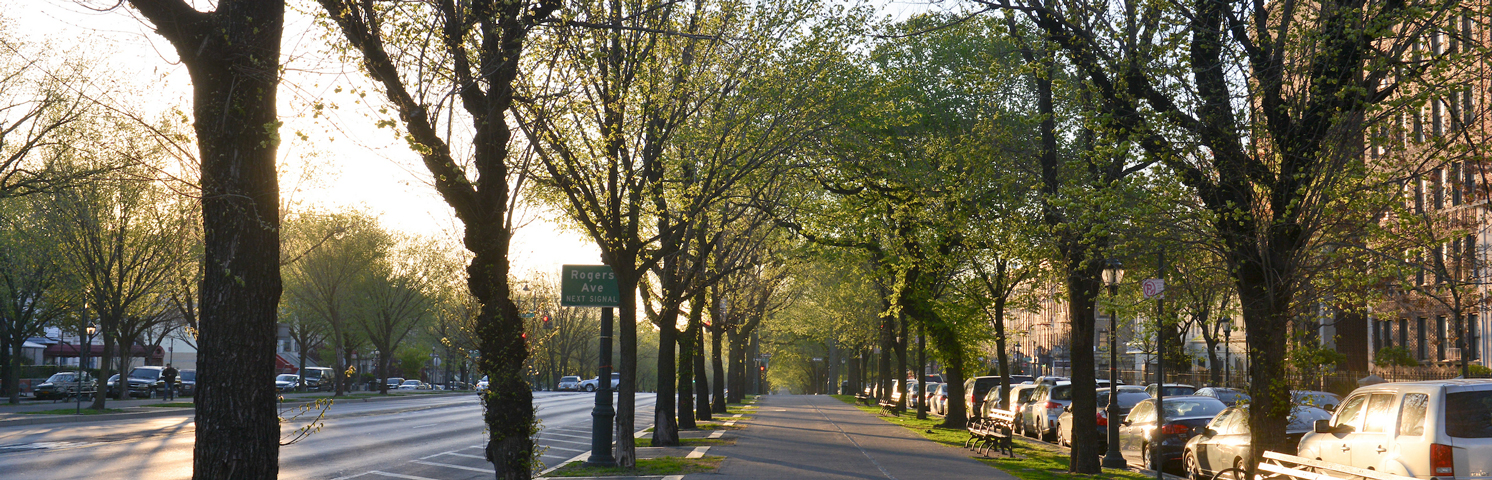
[{"x": 21, "y": 419}]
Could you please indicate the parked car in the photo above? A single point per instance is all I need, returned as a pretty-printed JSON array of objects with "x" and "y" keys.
[
  {"x": 1127, "y": 400},
  {"x": 1325, "y": 400},
  {"x": 1020, "y": 396},
  {"x": 1230, "y": 396},
  {"x": 394, "y": 382},
  {"x": 188, "y": 378},
  {"x": 146, "y": 382},
  {"x": 937, "y": 399},
  {"x": 1439, "y": 428},
  {"x": 111, "y": 387},
  {"x": 592, "y": 383},
  {"x": 411, "y": 384},
  {"x": 975, "y": 389},
  {"x": 319, "y": 378},
  {"x": 568, "y": 383},
  {"x": 1039, "y": 418},
  {"x": 1225, "y": 442},
  {"x": 482, "y": 384},
  {"x": 65, "y": 384},
  {"x": 286, "y": 382},
  {"x": 1159, "y": 445},
  {"x": 1051, "y": 380},
  {"x": 1172, "y": 389}
]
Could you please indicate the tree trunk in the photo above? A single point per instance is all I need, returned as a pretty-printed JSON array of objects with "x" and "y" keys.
[
  {"x": 625, "y": 450},
  {"x": 684, "y": 377},
  {"x": 665, "y": 427},
  {"x": 718, "y": 405},
  {"x": 232, "y": 55},
  {"x": 105, "y": 365},
  {"x": 701, "y": 380},
  {"x": 1082, "y": 287}
]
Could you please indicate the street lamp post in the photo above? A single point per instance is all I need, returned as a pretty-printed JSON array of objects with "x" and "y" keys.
[
  {"x": 1227, "y": 352},
  {"x": 1113, "y": 273},
  {"x": 83, "y": 364}
]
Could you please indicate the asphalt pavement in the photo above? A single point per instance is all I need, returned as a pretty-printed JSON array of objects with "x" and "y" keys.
[
  {"x": 820, "y": 437},
  {"x": 437, "y": 437}
]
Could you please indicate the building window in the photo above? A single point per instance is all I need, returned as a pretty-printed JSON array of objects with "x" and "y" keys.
[
  {"x": 1470, "y": 256},
  {"x": 1472, "y": 339},
  {"x": 1441, "y": 337},
  {"x": 1436, "y": 126},
  {"x": 1419, "y": 196},
  {"x": 1420, "y": 343},
  {"x": 1450, "y": 179},
  {"x": 1404, "y": 332},
  {"x": 1437, "y": 189}
]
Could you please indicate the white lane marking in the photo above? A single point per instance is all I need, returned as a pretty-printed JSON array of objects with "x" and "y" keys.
[
  {"x": 458, "y": 467},
  {"x": 731, "y": 423},
  {"x": 553, "y": 456},
  {"x": 736, "y": 416},
  {"x": 425, "y": 425},
  {"x": 546, "y": 435},
  {"x": 698, "y": 452},
  {"x": 577, "y": 442},
  {"x": 578, "y": 458},
  {"x": 674, "y": 477},
  {"x": 717, "y": 434},
  {"x": 405, "y": 477},
  {"x": 351, "y": 476},
  {"x": 566, "y": 449},
  {"x": 454, "y": 454},
  {"x": 641, "y": 433}
]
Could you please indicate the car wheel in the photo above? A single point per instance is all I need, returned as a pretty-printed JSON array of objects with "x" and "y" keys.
[
  {"x": 150, "y": 393},
  {"x": 1145, "y": 456},
  {"x": 1193, "y": 469},
  {"x": 590, "y": 388}
]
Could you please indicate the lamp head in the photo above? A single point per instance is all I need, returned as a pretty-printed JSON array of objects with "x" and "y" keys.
[
  {"x": 92, "y": 330},
  {"x": 1113, "y": 272}
]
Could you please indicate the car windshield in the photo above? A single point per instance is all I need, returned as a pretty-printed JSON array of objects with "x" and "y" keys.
[
  {"x": 188, "y": 375},
  {"x": 1193, "y": 407},
  {"x": 145, "y": 373},
  {"x": 1062, "y": 392},
  {"x": 1303, "y": 418},
  {"x": 286, "y": 378},
  {"x": 1229, "y": 395},
  {"x": 62, "y": 377},
  {"x": 1126, "y": 399},
  {"x": 1468, "y": 414}
]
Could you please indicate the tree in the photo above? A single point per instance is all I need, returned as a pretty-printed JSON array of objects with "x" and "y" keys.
[
  {"x": 415, "y": 72},
  {"x": 328, "y": 255},
  {"x": 394, "y": 297},
  {"x": 42, "y": 96},
  {"x": 1275, "y": 169},
  {"x": 232, "y": 54},
  {"x": 34, "y": 285}
]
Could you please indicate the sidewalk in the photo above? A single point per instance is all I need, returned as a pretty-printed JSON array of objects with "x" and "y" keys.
[{"x": 819, "y": 437}]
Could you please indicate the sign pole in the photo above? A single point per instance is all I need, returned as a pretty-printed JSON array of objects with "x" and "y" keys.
[
  {"x": 596, "y": 286},
  {"x": 601, "y": 417}
]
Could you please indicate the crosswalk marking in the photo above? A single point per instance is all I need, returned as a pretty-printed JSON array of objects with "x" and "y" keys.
[{"x": 698, "y": 452}]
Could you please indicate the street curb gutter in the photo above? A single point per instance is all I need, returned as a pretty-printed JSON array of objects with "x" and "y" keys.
[{"x": 21, "y": 419}]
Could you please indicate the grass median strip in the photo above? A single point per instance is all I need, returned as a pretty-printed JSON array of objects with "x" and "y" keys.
[
  {"x": 74, "y": 411},
  {"x": 1033, "y": 461},
  {"x": 701, "y": 442},
  {"x": 645, "y": 467}
]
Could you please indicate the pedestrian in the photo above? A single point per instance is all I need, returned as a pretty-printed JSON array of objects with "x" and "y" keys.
[{"x": 169, "y": 375}]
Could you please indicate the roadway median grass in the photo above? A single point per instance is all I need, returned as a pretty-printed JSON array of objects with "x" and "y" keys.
[
  {"x": 661, "y": 466},
  {"x": 74, "y": 411},
  {"x": 1032, "y": 461}
]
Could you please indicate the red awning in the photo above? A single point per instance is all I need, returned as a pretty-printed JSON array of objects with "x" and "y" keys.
[{"x": 284, "y": 366}]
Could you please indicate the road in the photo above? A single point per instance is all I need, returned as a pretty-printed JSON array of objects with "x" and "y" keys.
[{"x": 438, "y": 437}]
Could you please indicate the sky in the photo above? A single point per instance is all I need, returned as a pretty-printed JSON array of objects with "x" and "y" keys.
[{"x": 346, "y": 162}]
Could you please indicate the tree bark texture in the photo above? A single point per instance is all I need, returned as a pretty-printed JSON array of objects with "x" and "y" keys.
[{"x": 232, "y": 55}]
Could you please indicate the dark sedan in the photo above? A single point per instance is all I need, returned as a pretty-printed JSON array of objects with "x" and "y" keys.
[
  {"x": 1225, "y": 442},
  {"x": 1159, "y": 445},
  {"x": 1230, "y": 396},
  {"x": 1127, "y": 400}
]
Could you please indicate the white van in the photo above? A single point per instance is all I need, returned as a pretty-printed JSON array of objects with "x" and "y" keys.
[{"x": 1440, "y": 429}]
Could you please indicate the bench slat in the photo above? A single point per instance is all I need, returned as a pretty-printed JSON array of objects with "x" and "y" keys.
[{"x": 1361, "y": 472}]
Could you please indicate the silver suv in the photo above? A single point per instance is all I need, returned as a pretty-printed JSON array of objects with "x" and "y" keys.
[{"x": 1440, "y": 428}]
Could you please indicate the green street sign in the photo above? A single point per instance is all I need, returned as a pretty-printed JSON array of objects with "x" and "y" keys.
[{"x": 588, "y": 286}]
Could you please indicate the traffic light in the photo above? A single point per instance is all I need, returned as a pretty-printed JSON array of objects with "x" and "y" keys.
[
  {"x": 546, "y": 322},
  {"x": 763, "y": 368}
]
